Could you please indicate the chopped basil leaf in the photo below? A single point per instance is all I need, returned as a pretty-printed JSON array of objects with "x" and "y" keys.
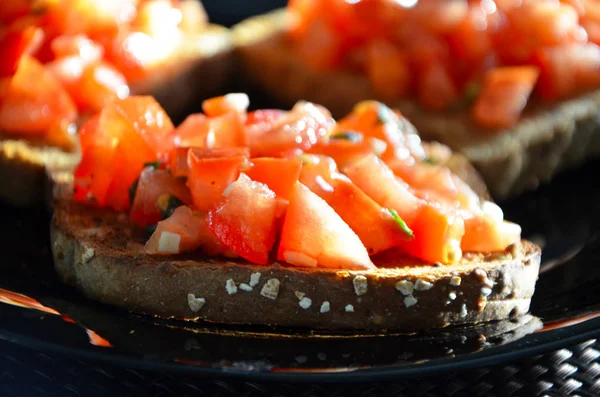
[
  {"x": 154, "y": 164},
  {"x": 168, "y": 204},
  {"x": 307, "y": 159},
  {"x": 469, "y": 95},
  {"x": 133, "y": 190},
  {"x": 400, "y": 222},
  {"x": 384, "y": 114},
  {"x": 351, "y": 136},
  {"x": 430, "y": 160}
]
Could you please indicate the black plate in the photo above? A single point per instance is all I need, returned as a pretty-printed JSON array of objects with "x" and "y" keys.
[{"x": 563, "y": 217}]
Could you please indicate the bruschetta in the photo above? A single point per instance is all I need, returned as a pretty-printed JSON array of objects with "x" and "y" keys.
[
  {"x": 513, "y": 85},
  {"x": 64, "y": 60},
  {"x": 285, "y": 218}
]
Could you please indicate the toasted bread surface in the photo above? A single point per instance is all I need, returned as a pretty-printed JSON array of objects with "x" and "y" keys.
[
  {"x": 101, "y": 254},
  {"x": 549, "y": 138}
]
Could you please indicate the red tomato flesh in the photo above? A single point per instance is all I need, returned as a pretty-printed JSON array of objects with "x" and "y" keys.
[
  {"x": 245, "y": 219},
  {"x": 280, "y": 175},
  {"x": 313, "y": 234}
]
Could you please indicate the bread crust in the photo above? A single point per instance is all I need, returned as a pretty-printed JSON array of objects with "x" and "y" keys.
[
  {"x": 99, "y": 253},
  {"x": 28, "y": 169},
  {"x": 549, "y": 138}
]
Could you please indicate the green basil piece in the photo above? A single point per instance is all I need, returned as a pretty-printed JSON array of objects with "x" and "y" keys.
[
  {"x": 351, "y": 136},
  {"x": 400, "y": 222},
  {"x": 154, "y": 164}
]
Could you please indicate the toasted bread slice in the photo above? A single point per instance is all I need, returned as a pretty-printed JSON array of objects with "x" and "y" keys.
[
  {"x": 101, "y": 254},
  {"x": 201, "y": 71},
  {"x": 547, "y": 140}
]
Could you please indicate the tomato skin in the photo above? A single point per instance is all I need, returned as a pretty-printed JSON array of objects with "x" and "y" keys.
[
  {"x": 15, "y": 44},
  {"x": 436, "y": 89},
  {"x": 499, "y": 235},
  {"x": 193, "y": 132},
  {"x": 154, "y": 185},
  {"x": 245, "y": 219},
  {"x": 313, "y": 234},
  {"x": 178, "y": 158},
  {"x": 77, "y": 45},
  {"x": 317, "y": 173},
  {"x": 208, "y": 178},
  {"x": 193, "y": 231},
  {"x": 504, "y": 96},
  {"x": 375, "y": 227},
  {"x": 280, "y": 175}
]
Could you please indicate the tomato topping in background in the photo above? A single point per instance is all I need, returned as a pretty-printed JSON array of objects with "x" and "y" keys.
[
  {"x": 219, "y": 106},
  {"x": 245, "y": 218},
  {"x": 15, "y": 44},
  {"x": 433, "y": 51}
]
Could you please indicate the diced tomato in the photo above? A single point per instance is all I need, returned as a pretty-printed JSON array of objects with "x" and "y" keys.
[
  {"x": 227, "y": 131},
  {"x": 375, "y": 178},
  {"x": 100, "y": 84},
  {"x": 263, "y": 116},
  {"x": 222, "y": 105},
  {"x": 208, "y": 178},
  {"x": 483, "y": 234},
  {"x": 280, "y": 175},
  {"x": 193, "y": 16},
  {"x": 504, "y": 95},
  {"x": 317, "y": 173},
  {"x": 313, "y": 235},
  {"x": 374, "y": 225},
  {"x": 347, "y": 147},
  {"x": 441, "y": 17},
  {"x": 184, "y": 231},
  {"x": 35, "y": 101},
  {"x": 150, "y": 121},
  {"x": 245, "y": 219},
  {"x": 193, "y": 132},
  {"x": 77, "y": 45},
  {"x": 155, "y": 191},
  {"x": 178, "y": 158},
  {"x": 387, "y": 70},
  {"x": 436, "y": 88},
  {"x": 15, "y": 44},
  {"x": 438, "y": 232},
  {"x": 593, "y": 30},
  {"x": 467, "y": 41},
  {"x": 305, "y": 125},
  {"x": 321, "y": 48},
  {"x": 568, "y": 70}
]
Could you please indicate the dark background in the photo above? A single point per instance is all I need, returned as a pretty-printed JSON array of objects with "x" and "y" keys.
[{"x": 228, "y": 12}]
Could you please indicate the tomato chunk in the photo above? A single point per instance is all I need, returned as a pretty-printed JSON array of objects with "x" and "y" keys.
[
  {"x": 208, "y": 178},
  {"x": 280, "y": 175},
  {"x": 15, "y": 44},
  {"x": 178, "y": 158},
  {"x": 184, "y": 231},
  {"x": 156, "y": 193},
  {"x": 245, "y": 220},
  {"x": 504, "y": 95},
  {"x": 373, "y": 224},
  {"x": 313, "y": 235},
  {"x": 219, "y": 106}
]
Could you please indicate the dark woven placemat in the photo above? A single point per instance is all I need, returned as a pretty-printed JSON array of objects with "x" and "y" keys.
[{"x": 573, "y": 371}]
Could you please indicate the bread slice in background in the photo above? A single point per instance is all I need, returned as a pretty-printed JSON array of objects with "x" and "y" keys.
[
  {"x": 101, "y": 254},
  {"x": 202, "y": 70},
  {"x": 548, "y": 139}
]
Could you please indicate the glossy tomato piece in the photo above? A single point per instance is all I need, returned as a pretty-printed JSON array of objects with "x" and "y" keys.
[
  {"x": 219, "y": 106},
  {"x": 305, "y": 125},
  {"x": 150, "y": 121},
  {"x": 378, "y": 181},
  {"x": 373, "y": 224},
  {"x": 348, "y": 147},
  {"x": 484, "y": 234},
  {"x": 317, "y": 173},
  {"x": 263, "y": 117},
  {"x": 567, "y": 70},
  {"x": 436, "y": 88},
  {"x": 227, "y": 131},
  {"x": 314, "y": 235},
  {"x": 504, "y": 95},
  {"x": 34, "y": 108},
  {"x": 245, "y": 220},
  {"x": 100, "y": 84},
  {"x": 388, "y": 69},
  {"x": 15, "y": 44},
  {"x": 321, "y": 47},
  {"x": 178, "y": 158},
  {"x": 156, "y": 192},
  {"x": 184, "y": 231},
  {"x": 209, "y": 177},
  {"x": 194, "y": 132},
  {"x": 280, "y": 175},
  {"x": 77, "y": 45}
]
